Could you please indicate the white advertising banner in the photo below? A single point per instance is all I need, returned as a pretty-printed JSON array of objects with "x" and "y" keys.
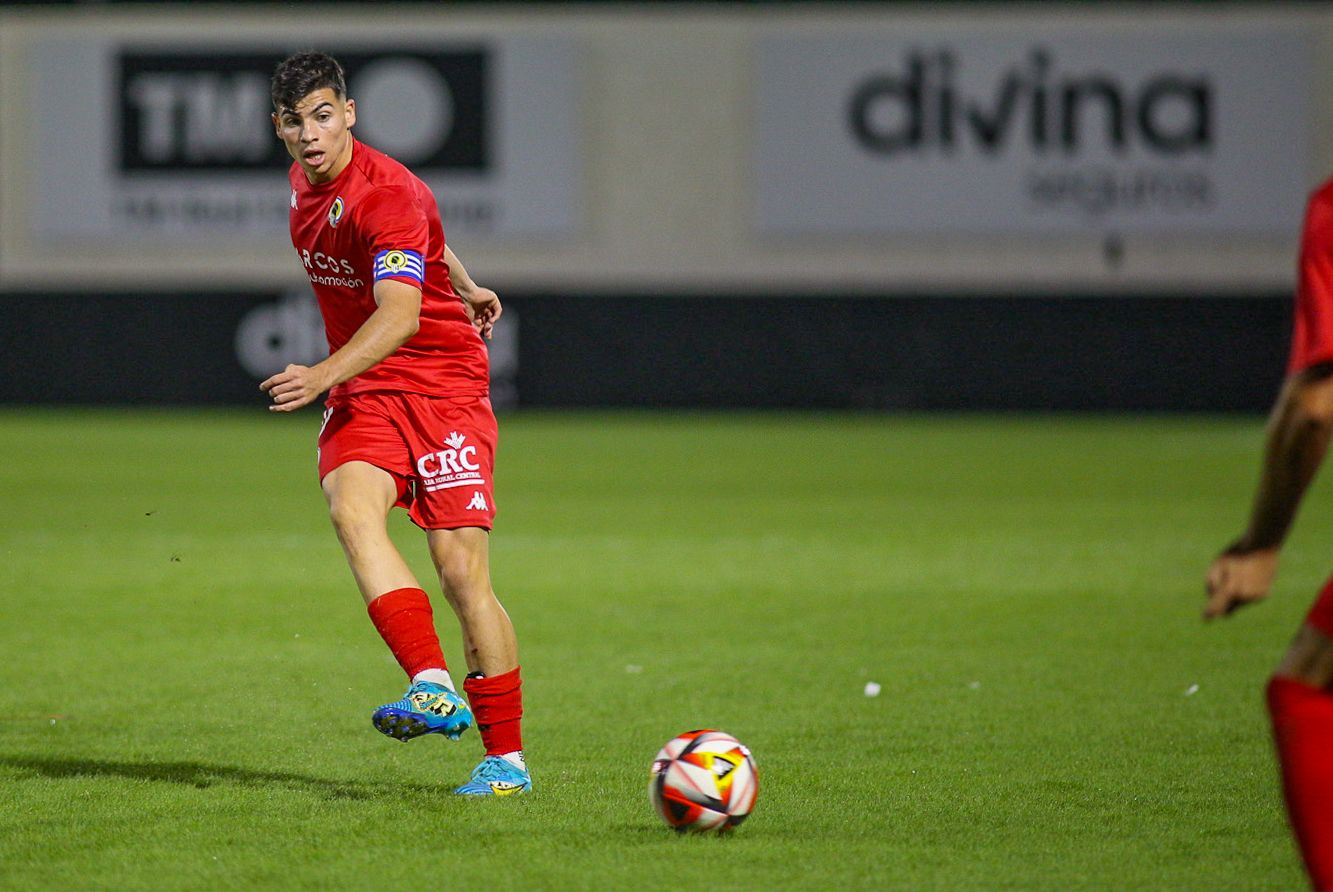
[
  {"x": 1029, "y": 131},
  {"x": 176, "y": 143}
]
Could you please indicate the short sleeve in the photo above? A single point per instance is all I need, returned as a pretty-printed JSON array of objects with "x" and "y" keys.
[{"x": 393, "y": 224}]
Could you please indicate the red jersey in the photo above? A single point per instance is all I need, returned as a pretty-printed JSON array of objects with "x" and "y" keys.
[
  {"x": 373, "y": 221},
  {"x": 1312, "y": 338}
]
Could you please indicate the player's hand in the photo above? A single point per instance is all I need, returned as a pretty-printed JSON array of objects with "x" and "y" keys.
[
  {"x": 294, "y": 387},
  {"x": 484, "y": 307},
  {"x": 1237, "y": 577}
]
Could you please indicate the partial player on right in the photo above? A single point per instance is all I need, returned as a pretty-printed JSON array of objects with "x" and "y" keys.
[{"x": 1300, "y": 692}]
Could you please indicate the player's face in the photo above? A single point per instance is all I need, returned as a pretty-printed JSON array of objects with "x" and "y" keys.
[{"x": 318, "y": 133}]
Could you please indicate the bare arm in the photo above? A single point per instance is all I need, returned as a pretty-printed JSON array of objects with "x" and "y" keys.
[
  {"x": 394, "y": 321},
  {"x": 483, "y": 304},
  {"x": 1298, "y": 437}
]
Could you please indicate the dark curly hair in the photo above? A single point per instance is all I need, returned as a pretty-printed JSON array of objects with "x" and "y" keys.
[{"x": 301, "y": 74}]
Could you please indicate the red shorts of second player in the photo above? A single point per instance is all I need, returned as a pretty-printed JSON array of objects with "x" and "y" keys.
[
  {"x": 1321, "y": 614},
  {"x": 440, "y": 451}
]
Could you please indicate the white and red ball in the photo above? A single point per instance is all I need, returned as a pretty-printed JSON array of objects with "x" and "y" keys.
[{"x": 704, "y": 780}]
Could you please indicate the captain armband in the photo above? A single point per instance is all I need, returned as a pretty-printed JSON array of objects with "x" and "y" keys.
[{"x": 400, "y": 264}]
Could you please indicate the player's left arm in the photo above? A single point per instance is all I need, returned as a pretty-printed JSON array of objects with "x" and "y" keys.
[
  {"x": 395, "y": 320},
  {"x": 1299, "y": 430},
  {"x": 483, "y": 304}
]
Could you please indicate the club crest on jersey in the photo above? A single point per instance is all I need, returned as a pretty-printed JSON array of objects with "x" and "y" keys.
[{"x": 335, "y": 212}]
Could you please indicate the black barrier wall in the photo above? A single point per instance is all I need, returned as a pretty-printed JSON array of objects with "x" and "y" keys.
[{"x": 889, "y": 353}]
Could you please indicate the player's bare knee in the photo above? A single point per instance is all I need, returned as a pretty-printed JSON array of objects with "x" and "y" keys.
[
  {"x": 462, "y": 565},
  {"x": 1310, "y": 395},
  {"x": 353, "y": 517},
  {"x": 342, "y": 513},
  {"x": 463, "y": 581}
]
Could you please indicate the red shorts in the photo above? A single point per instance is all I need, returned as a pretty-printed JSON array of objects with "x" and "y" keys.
[
  {"x": 1321, "y": 614},
  {"x": 440, "y": 451}
]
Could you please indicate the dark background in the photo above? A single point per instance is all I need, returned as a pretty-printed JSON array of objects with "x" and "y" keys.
[{"x": 641, "y": 350}]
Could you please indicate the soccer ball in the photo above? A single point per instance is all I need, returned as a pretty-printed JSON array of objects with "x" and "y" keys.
[{"x": 703, "y": 780}]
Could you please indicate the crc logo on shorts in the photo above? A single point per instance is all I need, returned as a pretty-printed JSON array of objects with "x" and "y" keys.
[
  {"x": 335, "y": 212},
  {"x": 209, "y": 110},
  {"x": 452, "y": 467}
]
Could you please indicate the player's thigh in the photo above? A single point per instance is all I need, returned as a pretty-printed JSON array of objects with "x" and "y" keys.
[
  {"x": 360, "y": 444},
  {"x": 359, "y": 492}
]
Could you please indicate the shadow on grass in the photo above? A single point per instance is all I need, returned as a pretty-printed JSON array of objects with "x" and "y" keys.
[{"x": 202, "y": 776}]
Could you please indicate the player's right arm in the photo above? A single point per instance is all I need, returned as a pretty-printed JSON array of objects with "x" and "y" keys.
[
  {"x": 1298, "y": 436},
  {"x": 396, "y": 318}
]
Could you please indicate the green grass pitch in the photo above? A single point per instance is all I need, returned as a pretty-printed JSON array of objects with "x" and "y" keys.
[{"x": 187, "y": 673}]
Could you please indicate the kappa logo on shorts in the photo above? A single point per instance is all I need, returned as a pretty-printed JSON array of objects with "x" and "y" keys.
[
  {"x": 478, "y": 502},
  {"x": 452, "y": 467}
]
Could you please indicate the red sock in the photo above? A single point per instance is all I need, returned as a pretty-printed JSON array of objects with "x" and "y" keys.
[
  {"x": 1303, "y": 731},
  {"x": 497, "y": 702},
  {"x": 404, "y": 620}
]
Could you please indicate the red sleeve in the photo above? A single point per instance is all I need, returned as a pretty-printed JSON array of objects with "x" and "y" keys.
[
  {"x": 1312, "y": 334},
  {"x": 395, "y": 229}
]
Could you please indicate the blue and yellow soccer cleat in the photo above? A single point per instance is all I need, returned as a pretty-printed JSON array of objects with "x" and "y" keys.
[
  {"x": 496, "y": 776},
  {"x": 426, "y": 708}
]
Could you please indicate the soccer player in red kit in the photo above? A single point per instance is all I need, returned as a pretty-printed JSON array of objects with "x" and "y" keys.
[
  {"x": 408, "y": 422},
  {"x": 1300, "y": 692}
]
